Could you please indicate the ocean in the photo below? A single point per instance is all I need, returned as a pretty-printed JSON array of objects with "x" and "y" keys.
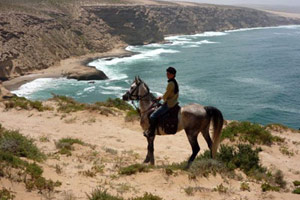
[{"x": 249, "y": 74}]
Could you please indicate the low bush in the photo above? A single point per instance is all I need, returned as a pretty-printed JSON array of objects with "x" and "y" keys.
[
  {"x": 133, "y": 169},
  {"x": 296, "y": 183},
  {"x": 23, "y": 103},
  {"x": 65, "y": 145},
  {"x": 267, "y": 187},
  {"x": 102, "y": 194},
  {"x": 16, "y": 144},
  {"x": 13, "y": 145},
  {"x": 6, "y": 194},
  {"x": 296, "y": 191},
  {"x": 249, "y": 132}
]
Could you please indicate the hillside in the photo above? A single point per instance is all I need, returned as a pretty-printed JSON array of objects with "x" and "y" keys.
[
  {"x": 89, "y": 151},
  {"x": 35, "y": 35}
]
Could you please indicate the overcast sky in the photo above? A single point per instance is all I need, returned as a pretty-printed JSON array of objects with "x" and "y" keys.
[{"x": 262, "y": 2}]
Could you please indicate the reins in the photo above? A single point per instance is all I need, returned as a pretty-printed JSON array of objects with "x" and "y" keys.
[{"x": 140, "y": 98}]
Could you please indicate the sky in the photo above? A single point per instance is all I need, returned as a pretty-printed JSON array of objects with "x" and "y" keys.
[{"x": 262, "y": 2}]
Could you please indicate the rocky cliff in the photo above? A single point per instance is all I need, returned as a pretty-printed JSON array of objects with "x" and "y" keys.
[{"x": 32, "y": 41}]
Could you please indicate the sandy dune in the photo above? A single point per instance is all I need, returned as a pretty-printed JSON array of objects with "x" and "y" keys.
[{"x": 113, "y": 143}]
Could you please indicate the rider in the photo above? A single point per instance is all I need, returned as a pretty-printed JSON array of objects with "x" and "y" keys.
[{"x": 170, "y": 100}]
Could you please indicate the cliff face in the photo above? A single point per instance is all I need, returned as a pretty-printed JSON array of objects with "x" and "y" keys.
[{"x": 32, "y": 42}]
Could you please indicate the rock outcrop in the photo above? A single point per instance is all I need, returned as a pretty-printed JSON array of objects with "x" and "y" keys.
[
  {"x": 86, "y": 73},
  {"x": 31, "y": 41}
]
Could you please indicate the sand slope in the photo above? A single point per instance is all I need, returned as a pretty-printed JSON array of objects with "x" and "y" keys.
[{"x": 114, "y": 143}]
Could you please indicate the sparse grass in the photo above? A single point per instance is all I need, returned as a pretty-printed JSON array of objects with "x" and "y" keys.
[
  {"x": 285, "y": 151},
  {"x": 189, "y": 191},
  {"x": 221, "y": 189},
  {"x": 44, "y": 139},
  {"x": 23, "y": 103},
  {"x": 68, "y": 104},
  {"x": 115, "y": 103},
  {"x": 249, "y": 132},
  {"x": 6, "y": 194},
  {"x": 132, "y": 115},
  {"x": 280, "y": 128},
  {"x": 147, "y": 196},
  {"x": 133, "y": 169},
  {"x": 245, "y": 187},
  {"x": 111, "y": 151},
  {"x": 65, "y": 145},
  {"x": 93, "y": 171},
  {"x": 101, "y": 194}
]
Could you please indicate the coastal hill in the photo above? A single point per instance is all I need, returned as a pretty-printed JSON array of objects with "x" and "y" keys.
[
  {"x": 65, "y": 150},
  {"x": 36, "y": 35}
]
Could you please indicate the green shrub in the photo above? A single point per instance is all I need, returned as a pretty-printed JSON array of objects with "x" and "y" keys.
[
  {"x": 116, "y": 103},
  {"x": 278, "y": 178},
  {"x": 221, "y": 189},
  {"x": 296, "y": 183},
  {"x": 248, "y": 132},
  {"x": 65, "y": 145},
  {"x": 133, "y": 169},
  {"x": 101, "y": 194},
  {"x": 68, "y": 104},
  {"x": 242, "y": 157},
  {"x": 267, "y": 187},
  {"x": 205, "y": 167},
  {"x": 19, "y": 145},
  {"x": 6, "y": 194},
  {"x": 147, "y": 196},
  {"x": 245, "y": 187},
  {"x": 296, "y": 191},
  {"x": 23, "y": 103}
]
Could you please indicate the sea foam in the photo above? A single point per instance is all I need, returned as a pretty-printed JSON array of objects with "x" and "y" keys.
[{"x": 34, "y": 86}]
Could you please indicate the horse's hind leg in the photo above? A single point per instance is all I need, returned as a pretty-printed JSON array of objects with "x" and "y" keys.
[
  {"x": 150, "y": 154},
  {"x": 192, "y": 137},
  {"x": 207, "y": 138}
]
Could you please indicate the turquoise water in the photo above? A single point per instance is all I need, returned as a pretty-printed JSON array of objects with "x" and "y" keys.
[{"x": 249, "y": 74}]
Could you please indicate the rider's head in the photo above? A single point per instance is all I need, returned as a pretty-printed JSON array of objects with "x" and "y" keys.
[{"x": 171, "y": 72}]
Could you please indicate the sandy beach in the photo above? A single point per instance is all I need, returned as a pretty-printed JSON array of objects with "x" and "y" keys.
[{"x": 64, "y": 67}]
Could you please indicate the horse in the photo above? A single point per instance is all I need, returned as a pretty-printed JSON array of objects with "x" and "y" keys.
[{"x": 193, "y": 118}]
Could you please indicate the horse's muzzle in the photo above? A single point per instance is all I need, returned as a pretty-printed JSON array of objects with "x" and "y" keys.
[{"x": 125, "y": 97}]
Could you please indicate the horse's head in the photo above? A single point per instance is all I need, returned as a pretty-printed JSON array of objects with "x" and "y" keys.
[{"x": 138, "y": 90}]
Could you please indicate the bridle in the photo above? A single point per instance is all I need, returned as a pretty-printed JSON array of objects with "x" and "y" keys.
[
  {"x": 141, "y": 98},
  {"x": 137, "y": 96}
]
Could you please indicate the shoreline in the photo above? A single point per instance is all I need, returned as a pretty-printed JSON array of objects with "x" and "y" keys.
[
  {"x": 80, "y": 63},
  {"x": 63, "y": 67}
]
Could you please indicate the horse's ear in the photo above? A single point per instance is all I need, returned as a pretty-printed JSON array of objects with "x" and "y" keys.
[
  {"x": 135, "y": 79},
  {"x": 139, "y": 78}
]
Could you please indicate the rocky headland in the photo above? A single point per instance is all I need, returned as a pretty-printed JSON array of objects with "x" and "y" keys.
[{"x": 36, "y": 36}]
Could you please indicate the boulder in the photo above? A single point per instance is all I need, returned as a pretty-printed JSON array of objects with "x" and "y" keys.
[
  {"x": 86, "y": 73},
  {"x": 4, "y": 93}
]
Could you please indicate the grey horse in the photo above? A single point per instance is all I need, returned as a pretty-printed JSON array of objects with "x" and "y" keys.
[{"x": 193, "y": 118}]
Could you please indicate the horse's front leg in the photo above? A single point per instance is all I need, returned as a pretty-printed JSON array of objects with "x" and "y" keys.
[{"x": 150, "y": 154}]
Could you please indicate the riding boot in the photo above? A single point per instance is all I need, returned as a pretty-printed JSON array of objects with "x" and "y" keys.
[{"x": 151, "y": 131}]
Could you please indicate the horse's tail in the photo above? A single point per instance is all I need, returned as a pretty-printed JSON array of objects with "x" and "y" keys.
[{"x": 217, "y": 118}]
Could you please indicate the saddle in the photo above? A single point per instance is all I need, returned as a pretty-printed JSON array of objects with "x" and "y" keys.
[{"x": 169, "y": 121}]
